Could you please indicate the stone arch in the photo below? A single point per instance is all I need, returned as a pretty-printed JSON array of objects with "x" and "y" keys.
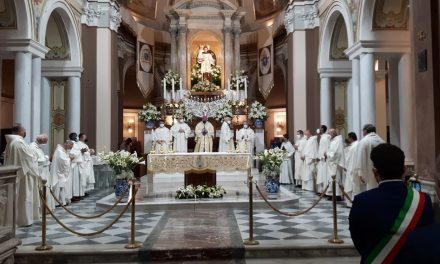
[
  {"x": 338, "y": 13},
  {"x": 67, "y": 17},
  {"x": 24, "y": 28}
]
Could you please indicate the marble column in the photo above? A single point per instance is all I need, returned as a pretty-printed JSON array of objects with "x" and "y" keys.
[
  {"x": 173, "y": 35},
  {"x": 228, "y": 49},
  {"x": 237, "y": 66},
  {"x": 182, "y": 51},
  {"x": 45, "y": 108},
  {"x": 367, "y": 89},
  {"x": 23, "y": 90},
  {"x": 73, "y": 122},
  {"x": 1, "y": 84},
  {"x": 36, "y": 98},
  {"x": 406, "y": 108},
  {"x": 349, "y": 105},
  {"x": 326, "y": 102},
  {"x": 393, "y": 101},
  {"x": 355, "y": 100}
]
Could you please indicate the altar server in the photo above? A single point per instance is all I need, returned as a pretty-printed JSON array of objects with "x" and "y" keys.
[
  {"x": 18, "y": 153},
  {"x": 363, "y": 166},
  {"x": 309, "y": 157},
  {"x": 299, "y": 151},
  {"x": 351, "y": 187},
  {"x": 181, "y": 132},
  {"x": 162, "y": 138},
  {"x": 335, "y": 157},
  {"x": 60, "y": 170},
  {"x": 87, "y": 174},
  {"x": 321, "y": 167},
  {"x": 204, "y": 135},
  {"x": 226, "y": 142},
  {"x": 246, "y": 139},
  {"x": 286, "y": 172},
  {"x": 43, "y": 164}
]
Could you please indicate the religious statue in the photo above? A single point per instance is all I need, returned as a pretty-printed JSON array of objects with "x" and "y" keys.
[{"x": 206, "y": 59}]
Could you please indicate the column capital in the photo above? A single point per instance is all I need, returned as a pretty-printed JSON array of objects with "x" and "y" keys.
[
  {"x": 301, "y": 15},
  {"x": 102, "y": 14}
]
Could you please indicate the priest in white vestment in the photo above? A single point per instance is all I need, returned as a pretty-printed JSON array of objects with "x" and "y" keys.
[
  {"x": 18, "y": 153},
  {"x": 363, "y": 167},
  {"x": 87, "y": 174},
  {"x": 226, "y": 142},
  {"x": 60, "y": 170},
  {"x": 246, "y": 139},
  {"x": 43, "y": 165},
  {"x": 74, "y": 185},
  {"x": 321, "y": 167},
  {"x": 309, "y": 157},
  {"x": 286, "y": 168},
  {"x": 181, "y": 132},
  {"x": 335, "y": 157},
  {"x": 162, "y": 138},
  {"x": 299, "y": 151},
  {"x": 204, "y": 134},
  {"x": 349, "y": 184}
]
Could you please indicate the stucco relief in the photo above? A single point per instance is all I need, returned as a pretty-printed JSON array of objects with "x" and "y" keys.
[
  {"x": 8, "y": 16},
  {"x": 391, "y": 15},
  {"x": 339, "y": 42}
]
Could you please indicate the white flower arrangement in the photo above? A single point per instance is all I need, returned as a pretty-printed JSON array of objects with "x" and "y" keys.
[
  {"x": 122, "y": 162},
  {"x": 149, "y": 112},
  {"x": 271, "y": 160},
  {"x": 205, "y": 86},
  {"x": 224, "y": 111},
  {"x": 257, "y": 111},
  {"x": 200, "y": 191},
  {"x": 196, "y": 75},
  {"x": 238, "y": 75},
  {"x": 169, "y": 77}
]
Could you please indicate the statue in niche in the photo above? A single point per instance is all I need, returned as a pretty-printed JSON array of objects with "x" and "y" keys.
[{"x": 206, "y": 59}]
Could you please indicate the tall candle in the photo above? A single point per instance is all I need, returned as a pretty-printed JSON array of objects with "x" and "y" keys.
[
  {"x": 172, "y": 89},
  {"x": 180, "y": 80},
  {"x": 229, "y": 85},
  {"x": 245, "y": 87},
  {"x": 164, "y": 88},
  {"x": 238, "y": 91}
]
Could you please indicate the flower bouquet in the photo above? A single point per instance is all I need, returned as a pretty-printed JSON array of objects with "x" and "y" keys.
[
  {"x": 271, "y": 161},
  {"x": 149, "y": 114},
  {"x": 200, "y": 191},
  {"x": 257, "y": 111},
  {"x": 224, "y": 111},
  {"x": 169, "y": 77},
  {"x": 238, "y": 76}
]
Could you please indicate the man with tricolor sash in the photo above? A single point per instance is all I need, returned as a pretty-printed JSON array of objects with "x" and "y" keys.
[{"x": 381, "y": 218}]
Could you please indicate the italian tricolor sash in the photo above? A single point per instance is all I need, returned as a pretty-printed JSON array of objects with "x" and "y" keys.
[{"x": 406, "y": 221}]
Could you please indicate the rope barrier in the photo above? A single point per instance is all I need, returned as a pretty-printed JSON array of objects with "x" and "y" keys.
[
  {"x": 296, "y": 213},
  {"x": 86, "y": 216},
  {"x": 86, "y": 234},
  {"x": 344, "y": 193}
]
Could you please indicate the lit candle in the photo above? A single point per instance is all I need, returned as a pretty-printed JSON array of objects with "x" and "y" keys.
[
  {"x": 164, "y": 88},
  {"x": 172, "y": 89},
  {"x": 238, "y": 90}
]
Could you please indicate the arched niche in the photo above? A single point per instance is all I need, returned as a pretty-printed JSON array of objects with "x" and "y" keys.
[
  {"x": 56, "y": 39},
  {"x": 16, "y": 19}
]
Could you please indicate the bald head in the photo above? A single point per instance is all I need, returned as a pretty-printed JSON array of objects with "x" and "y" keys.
[
  {"x": 19, "y": 130},
  {"x": 42, "y": 139},
  {"x": 307, "y": 133},
  {"x": 332, "y": 132}
]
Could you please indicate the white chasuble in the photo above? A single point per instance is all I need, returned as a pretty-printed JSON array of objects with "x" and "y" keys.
[
  {"x": 204, "y": 134},
  {"x": 246, "y": 139},
  {"x": 86, "y": 168},
  {"x": 336, "y": 164},
  {"x": 310, "y": 155},
  {"x": 60, "y": 173},
  {"x": 161, "y": 138},
  {"x": 321, "y": 167},
  {"x": 180, "y": 132},
  {"x": 286, "y": 169},
  {"x": 349, "y": 174},
  {"x": 226, "y": 142},
  {"x": 18, "y": 153},
  {"x": 299, "y": 163}
]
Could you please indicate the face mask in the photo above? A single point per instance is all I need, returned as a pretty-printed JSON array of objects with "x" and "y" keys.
[
  {"x": 245, "y": 126},
  {"x": 42, "y": 145},
  {"x": 161, "y": 125},
  {"x": 298, "y": 136},
  {"x": 229, "y": 121},
  {"x": 180, "y": 120},
  {"x": 318, "y": 131}
]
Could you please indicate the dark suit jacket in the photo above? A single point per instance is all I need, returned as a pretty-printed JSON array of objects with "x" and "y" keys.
[
  {"x": 374, "y": 212},
  {"x": 422, "y": 246}
]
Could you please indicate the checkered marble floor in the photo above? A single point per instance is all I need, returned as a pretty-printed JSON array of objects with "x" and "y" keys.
[
  {"x": 316, "y": 224},
  {"x": 118, "y": 234}
]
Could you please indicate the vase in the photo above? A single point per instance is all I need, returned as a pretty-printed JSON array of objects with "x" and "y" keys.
[
  {"x": 149, "y": 124},
  {"x": 121, "y": 189},
  {"x": 258, "y": 123},
  {"x": 272, "y": 187}
]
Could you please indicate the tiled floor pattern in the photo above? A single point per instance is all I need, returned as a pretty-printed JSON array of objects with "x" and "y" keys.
[
  {"x": 118, "y": 234},
  {"x": 316, "y": 224}
]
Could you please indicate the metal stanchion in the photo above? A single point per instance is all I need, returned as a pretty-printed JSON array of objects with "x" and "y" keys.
[
  {"x": 44, "y": 246},
  {"x": 133, "y": 243},
  {"x": 250, "y": 241},
  {"x": 335, "y": 239}
]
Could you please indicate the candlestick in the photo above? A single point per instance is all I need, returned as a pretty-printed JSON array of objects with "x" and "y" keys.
[
  {"x": 172, "y": 89},
  {"x": 180, "y": 80},
  {"x": 164, "y": 88}
]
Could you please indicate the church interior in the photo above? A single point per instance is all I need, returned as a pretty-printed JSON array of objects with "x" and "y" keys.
[{"x": 146, "y": 77}]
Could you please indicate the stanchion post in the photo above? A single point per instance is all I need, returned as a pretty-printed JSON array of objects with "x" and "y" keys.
[
  {"x": 250, "y": 241},
  {"x": 335, "y": 239},
  {"x": 133, "y": 243},
  {"x": 44, "y": 246}
]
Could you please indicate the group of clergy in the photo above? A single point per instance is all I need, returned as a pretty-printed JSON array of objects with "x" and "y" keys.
[
  {"x": 69, "y": 174},
  {"x": 317, "y": 158},
  {"x": 204, "y": 135}
]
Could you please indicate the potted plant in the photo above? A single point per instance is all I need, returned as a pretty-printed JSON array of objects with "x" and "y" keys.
[
  {"x": 271, "y": 160},
  {"x": 122, "y": 163},
  {"x": 258, "y": 113},
  {"x": 149, "y": 114}
]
